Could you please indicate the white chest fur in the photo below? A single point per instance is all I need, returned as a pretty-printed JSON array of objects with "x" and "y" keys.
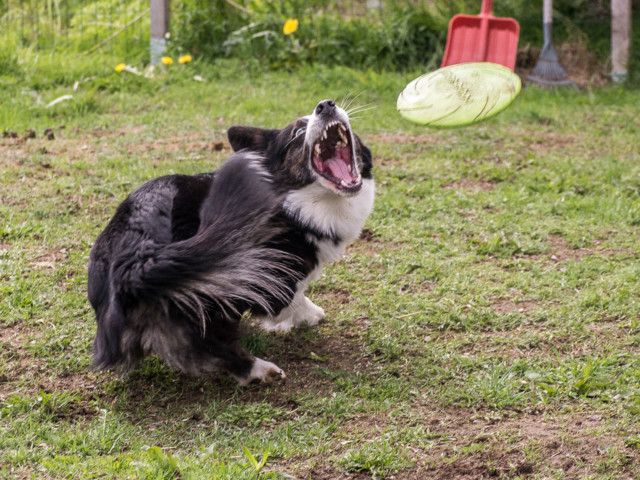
[
  {"x": 332, "y": 215},
  {"x": 335, "y": 217}
]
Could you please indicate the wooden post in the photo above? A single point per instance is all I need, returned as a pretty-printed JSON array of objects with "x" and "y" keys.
[
  {"x": 159, "y": 29},
  {"x": 620, "y": 38}
]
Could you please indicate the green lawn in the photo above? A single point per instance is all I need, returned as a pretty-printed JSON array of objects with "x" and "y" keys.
[{"x": 487, "y": 323}]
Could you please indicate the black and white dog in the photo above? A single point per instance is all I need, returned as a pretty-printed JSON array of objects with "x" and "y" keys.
[{"x": 184, "y": 257}]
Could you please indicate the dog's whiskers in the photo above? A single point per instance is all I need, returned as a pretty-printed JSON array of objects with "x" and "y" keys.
[
  {"x": 353, "y": 100},
  {"x": 359, "y": 118},
  {"x": 361, "y": 108},
  {"x": 345, "y": 99}
]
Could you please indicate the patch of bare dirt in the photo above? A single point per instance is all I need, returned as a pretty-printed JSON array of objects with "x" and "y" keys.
[
  {"x": 301, "y": 358},
  {"x": 464, "y": 443},
  {"x": 340, "y": 297},
  {"x": 14, "y": 152},
  {"x": 12, "y": 335},
  {"x": 120, "y": 132},
  {"x": 533, "y": 340},
  {"x": 189, "y": 144},
  {"x": 427, "y": 287},
  {"x": 503, "y": 306},
  {"x": 546, "y": 141},
  {"x": 370, "y": 243},
  {"x": 50, "y": 259},
  {"x": 561, "y": 251},
  {"x": 474, "y": 186},
  {"x": 524, "y": 444}
]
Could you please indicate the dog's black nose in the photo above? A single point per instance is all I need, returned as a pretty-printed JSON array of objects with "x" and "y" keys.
[{"x": 326, "y": 107}]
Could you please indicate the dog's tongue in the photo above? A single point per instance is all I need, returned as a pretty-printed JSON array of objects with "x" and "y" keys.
[{"x": 338, "y": 167}]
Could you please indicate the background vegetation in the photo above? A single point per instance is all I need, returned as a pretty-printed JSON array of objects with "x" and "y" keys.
[{"x": 379, "y": 35}]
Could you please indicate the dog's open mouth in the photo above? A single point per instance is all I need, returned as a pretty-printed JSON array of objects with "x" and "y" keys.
[{"x": 333, "y": 157}]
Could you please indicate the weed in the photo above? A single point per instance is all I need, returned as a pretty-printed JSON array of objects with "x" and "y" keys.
[
  {"x": 162, "y": 465},
  {"x": 377, "y": 458},
  {"x": 255, "y": 464}
]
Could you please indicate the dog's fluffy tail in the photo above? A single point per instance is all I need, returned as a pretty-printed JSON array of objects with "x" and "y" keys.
[
  {"x": 211, "y": 269},
  {"x": 227, "y": 267}
]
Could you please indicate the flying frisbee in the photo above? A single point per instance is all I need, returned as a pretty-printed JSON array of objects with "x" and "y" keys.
[{"x": 459, "y": 95}]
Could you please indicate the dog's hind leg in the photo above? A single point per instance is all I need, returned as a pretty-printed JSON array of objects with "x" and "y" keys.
[{"x": 187, "y": 349}]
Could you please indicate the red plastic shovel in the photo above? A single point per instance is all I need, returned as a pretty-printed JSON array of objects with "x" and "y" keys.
[{"x": 482, "y": 38}]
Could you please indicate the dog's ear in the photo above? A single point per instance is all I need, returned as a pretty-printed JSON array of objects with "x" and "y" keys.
[{"x": 250, "y": 138}]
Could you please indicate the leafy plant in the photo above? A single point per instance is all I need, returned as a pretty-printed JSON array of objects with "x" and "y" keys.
[
  {"x": 257, "y": 466},
  {"x": 165, "y": 465},
  {"x": 407, "y": 37},
  {"x": 43, "y": 404},
  {"x": 378, "y": 458}
]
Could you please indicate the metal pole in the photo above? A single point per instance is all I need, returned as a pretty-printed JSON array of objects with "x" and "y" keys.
[
  {"x": 159, "y": 29},
  {"x": 620, "y": 38}
]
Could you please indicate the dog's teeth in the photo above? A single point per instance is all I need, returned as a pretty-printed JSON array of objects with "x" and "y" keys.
[
  {"x": 343, "y": 183},
  {"x": 350, "y": 168},
  {"x": 324, "y": 135},
  {"x": 317, "y": 149}
]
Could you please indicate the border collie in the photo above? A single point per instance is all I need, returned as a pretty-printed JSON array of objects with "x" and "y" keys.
[{"x": 185, "y": 257}]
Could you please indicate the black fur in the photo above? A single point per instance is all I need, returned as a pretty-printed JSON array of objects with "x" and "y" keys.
[
  {"x": 185, "y": 256},
  {"x": 186, "y": 253}
]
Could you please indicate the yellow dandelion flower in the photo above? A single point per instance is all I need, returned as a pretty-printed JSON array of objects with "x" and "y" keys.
[
  {"x": 185, "y": 59},
  {"x": 166, "y": 60},
  {"x": 120, "y": 67},
  {"x": 290, "y": 26}
]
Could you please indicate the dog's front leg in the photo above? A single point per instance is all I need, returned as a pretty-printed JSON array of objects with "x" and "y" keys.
[{"x": 301, "y": 311}]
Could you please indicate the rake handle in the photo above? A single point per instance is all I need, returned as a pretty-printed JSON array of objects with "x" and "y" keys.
[
  {"x": 547, "y": 11},
  {"x": 547, "y": 19}
]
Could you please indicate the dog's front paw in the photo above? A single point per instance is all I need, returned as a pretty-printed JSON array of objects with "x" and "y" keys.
[
  {"x": 309, "y": 313},
  {"x": 272, "y": 326},
  {"x": 263, "y": 372},
  {"x": 275, "y": 375}
]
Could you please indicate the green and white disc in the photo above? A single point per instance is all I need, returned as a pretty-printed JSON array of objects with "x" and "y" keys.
[{"x": 459, "y": 95}]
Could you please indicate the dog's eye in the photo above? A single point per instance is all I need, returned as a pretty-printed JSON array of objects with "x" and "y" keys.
[{"x": 300, "y": 131}]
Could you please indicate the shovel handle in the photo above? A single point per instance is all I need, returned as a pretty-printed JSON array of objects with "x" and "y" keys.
[{"x": 487, "y": 6}]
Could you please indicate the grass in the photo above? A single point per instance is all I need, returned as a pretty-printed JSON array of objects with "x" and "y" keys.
[{"x": 487, "y": 323}]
